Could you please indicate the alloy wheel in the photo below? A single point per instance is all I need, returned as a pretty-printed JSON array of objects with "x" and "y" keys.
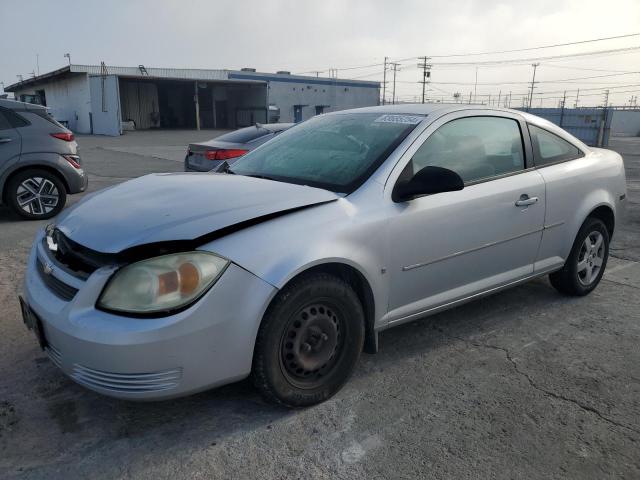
[
  {"x": 37, "y": 195},
  {"x": 591, "y": 258}
]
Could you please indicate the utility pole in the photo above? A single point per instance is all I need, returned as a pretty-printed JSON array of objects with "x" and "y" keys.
[
  {"x": 606, "y": 98},
  {"x": 575, "y": 105},
  {"x": 68, "y": 56},
  {"x": 38, "y": 63},
  {"x": 475, "y": 88},
  {"x": 395, "y": 68},
  {"x": 564, "y": 100},
  {"x": 426, "y": 74},
  {"x": 533, "y": 82},
  {"x": 509, "y": 105},
  {"x": 384, "y": 81},
  {"x": 469, "y": 98},
  {"x": 499, "y": 97}
]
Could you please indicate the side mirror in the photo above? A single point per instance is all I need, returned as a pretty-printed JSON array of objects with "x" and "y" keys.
[{"x": 427, "y": 181}]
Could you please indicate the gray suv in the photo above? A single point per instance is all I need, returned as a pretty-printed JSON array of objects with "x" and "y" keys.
[{"x": 39, "y": 161}]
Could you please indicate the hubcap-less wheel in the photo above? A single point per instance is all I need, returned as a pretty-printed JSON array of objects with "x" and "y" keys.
[
  {"x": 37, "y": 196},
  {"x": 590, "y": 258},
  {"x": 311, "y": 344}
]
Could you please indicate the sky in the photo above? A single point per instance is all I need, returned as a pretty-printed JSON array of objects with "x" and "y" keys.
[{"x": 302, "y": 36}]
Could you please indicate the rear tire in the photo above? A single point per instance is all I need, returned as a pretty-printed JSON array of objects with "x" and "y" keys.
[
  {"x": 309, "y": 341},
  {"x": 587, "y": 261},
  {"x": 36, "y": 194}
]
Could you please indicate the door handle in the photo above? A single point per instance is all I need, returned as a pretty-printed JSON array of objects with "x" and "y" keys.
[
  {"x": 5, "y": 140},
  {"x": 525, "y": 200}
]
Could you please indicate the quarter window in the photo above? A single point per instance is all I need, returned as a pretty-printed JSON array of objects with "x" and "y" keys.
[
  {"x": 15, "y": 120},
  {"x": 474, "y": 147},
  {"x": 4, "y": 123},
  {"x": 549, "y": 148}
]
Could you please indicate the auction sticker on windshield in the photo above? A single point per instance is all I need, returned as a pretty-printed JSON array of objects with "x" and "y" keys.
[{"x": 406, "y": 119}]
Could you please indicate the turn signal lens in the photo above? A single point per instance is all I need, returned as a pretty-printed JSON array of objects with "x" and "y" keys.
[{"x": 162, "y": 284}]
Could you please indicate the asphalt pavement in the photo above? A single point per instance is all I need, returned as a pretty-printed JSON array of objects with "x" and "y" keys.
[{"x": 523, "y": 384}]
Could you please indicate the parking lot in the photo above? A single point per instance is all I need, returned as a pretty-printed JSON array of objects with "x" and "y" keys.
[{"x": 522, "y": 384}]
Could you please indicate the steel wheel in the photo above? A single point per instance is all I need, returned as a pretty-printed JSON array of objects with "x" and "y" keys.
[
  {"x": 311, "y": 344},
  {"x": 590, "y": 258},
  {"x": 309, "y": 340},
  {"x": 37, "y": 196}
]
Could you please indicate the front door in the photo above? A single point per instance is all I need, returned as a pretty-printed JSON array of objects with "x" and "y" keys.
[
  {"x": 297, "y": 113},
  {"x": 450, "y": 246}
]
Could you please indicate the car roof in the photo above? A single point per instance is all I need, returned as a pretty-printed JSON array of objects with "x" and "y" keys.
[
  {"x": 425, "y": 108},
  {"x": 275, "y": 127},
  {"x": 13, "y": 105}
]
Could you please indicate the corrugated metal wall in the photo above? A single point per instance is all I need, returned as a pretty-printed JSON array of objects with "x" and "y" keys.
[
  {"x": 583, "y": 123},
  {"x": 140, "y": 103}
]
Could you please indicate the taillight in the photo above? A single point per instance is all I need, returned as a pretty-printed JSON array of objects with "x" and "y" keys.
[
  {"x": 74, "y": 160},
  {"x": 67, "y": 137},
  {"x": 224, "y": 154}
]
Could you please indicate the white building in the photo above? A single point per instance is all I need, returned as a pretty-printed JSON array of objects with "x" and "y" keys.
[{"x": 97, "y": 98}]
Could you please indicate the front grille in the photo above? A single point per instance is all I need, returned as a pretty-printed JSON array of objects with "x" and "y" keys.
[
  {"x": 75, "y": 258},
  {"x": 127, "y": 382},
  {"x": 57, "y": 286}
]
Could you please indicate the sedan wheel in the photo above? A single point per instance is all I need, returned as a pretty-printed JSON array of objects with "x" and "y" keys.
[
  {"x": 591, "y": 258},
  {"x": 36, "y": 194},
  {"x": 309, "y": 341},
  {"x": 585, "y": 265},
  {"x": 310, "y": 344}
]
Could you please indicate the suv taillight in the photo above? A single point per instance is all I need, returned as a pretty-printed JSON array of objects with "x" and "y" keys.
[
  {"x": 67, "y": 137},
  {"x": 224, "y": 154}
]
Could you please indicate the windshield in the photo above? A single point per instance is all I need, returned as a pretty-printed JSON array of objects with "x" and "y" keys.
[{"x": 336, "y": 152}]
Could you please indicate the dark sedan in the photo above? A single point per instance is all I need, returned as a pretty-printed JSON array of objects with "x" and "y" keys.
[{"x": 202, "y": 157}]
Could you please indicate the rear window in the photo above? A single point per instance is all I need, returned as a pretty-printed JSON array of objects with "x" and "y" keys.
[{"x": 244, "y": 135}]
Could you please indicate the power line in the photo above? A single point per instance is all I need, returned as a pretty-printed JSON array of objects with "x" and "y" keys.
[
  {"x": 537, "y": 48},
  {"x": 357, "y": 67},
  {"x": 534, "y": 59}
]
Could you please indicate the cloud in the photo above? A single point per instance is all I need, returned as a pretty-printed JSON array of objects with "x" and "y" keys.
[{"x": 302, "y": 36}]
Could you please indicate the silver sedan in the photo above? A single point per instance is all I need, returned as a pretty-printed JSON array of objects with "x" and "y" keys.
[{"x": 289, "y": 265}]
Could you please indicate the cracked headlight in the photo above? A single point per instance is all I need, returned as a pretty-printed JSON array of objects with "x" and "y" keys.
[{"x": 163, "y": 284}]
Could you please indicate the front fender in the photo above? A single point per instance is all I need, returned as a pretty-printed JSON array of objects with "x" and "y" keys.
[{"x": 280, "y": 249}]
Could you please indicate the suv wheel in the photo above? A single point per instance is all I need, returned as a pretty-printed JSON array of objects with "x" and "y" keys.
[
  {"x": 309, "y": 341},
  {"x": 36, "y": 194}
]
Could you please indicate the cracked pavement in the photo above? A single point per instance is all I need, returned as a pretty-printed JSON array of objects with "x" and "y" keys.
[{"x": 524, "y": 384}]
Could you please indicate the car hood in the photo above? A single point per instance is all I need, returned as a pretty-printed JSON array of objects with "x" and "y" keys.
[{"x": 180, "y": 206}]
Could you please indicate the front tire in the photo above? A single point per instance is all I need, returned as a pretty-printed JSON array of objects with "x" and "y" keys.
[
  {"x": 587, "y": 261},
  {"x": 309, "y": 341},
  {"x": 36, "y": 194}
]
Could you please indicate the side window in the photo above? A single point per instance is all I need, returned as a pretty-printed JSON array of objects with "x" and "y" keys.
[
  {"x": 4, "y": 123},
  {"x": 549, "y": 148},
  {"x": 474, "y": 148}
]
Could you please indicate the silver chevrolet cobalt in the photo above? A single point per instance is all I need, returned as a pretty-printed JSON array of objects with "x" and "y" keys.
[{"x": 288, "y": 264}]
